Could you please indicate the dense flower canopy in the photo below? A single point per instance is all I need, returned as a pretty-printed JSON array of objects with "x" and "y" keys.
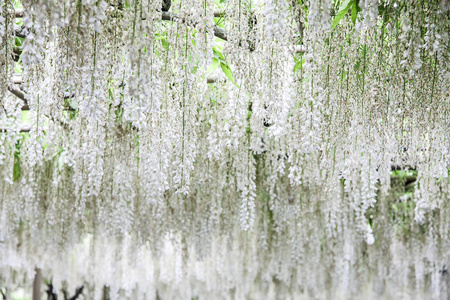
[{"x": 232, "y": 149}]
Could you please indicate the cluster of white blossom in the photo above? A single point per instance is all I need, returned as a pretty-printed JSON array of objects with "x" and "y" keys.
[{"x": 293, "y": 160}]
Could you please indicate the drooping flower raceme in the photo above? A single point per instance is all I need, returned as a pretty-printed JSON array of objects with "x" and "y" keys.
[{"x": 247, "y": 149}]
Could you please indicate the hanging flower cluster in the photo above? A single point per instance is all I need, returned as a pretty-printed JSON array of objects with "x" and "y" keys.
[{"x": 241, "y": 149}]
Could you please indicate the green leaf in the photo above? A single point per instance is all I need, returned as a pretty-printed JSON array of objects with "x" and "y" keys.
[
  {"x": 164, "y": 43},
  {"x": 381, "y": 10},
  {"x": 219, "y": 23},
  {"x": 299, "y": 64},
  {"x": 218, "y": 54},
  {"x": 26, "y": 117},
  {"x": 213, "y": 66},
  {"x": 227, "y": 71},
  {"x": 194, "y": 70},
  {"x": 127, "y": 5},
  {"x": 342, "y": 12},
  {"x": 307, "y": 78},
  {"x": 343, "y": 75},
  {"x": 18, "y": 41},
  {"x": 355, "y": 10},
  {"x": 18, "y": 66},
  {"x": 16, "y": 168}
]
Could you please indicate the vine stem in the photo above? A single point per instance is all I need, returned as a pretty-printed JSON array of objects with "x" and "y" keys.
[{"x": 184, "y": 110}]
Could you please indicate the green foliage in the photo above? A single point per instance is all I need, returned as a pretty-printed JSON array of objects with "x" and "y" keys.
[
  {"x": 227, "y": 71},
  {"x": 403, "y": 174},
  {"x": 402, "y": 213},
  {"x": 355, "y": 10},
  {"x": 127, "y": 4},
  {"x": 223, "y": 64},
  {"x": 217, "y": 52},
  {"x": 346, "y": 5},
  {"x": 16, "y": 168},
  {"x": 213, "y": 66},
  {"x": 163, "y": 39},
  {"x": 298, "y": 63},
  {"x": 18, "y": 41}
]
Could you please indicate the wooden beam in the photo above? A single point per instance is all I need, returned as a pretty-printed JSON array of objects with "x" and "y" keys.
[
  {"x": 219, "y": 14},
  {"x": 218, "y": 32},
  {"x": 17, "y": 12},
  {"x": 24, "y": 128},
  {"x": 17, "y": 79}
]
